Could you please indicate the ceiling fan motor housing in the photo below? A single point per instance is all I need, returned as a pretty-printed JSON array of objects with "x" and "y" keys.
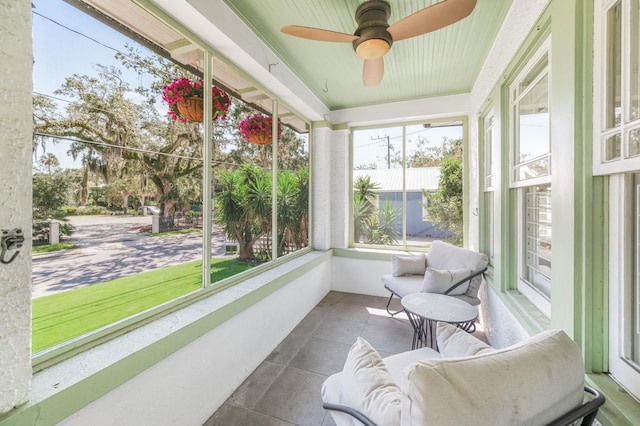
[{"x": 372, "y": 18}]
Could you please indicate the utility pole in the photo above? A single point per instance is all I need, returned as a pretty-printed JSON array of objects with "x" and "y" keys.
[{"x": 388, "y": 148}]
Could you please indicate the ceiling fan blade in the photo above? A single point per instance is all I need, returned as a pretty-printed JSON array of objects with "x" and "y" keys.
[
  {"x": 317, "y": 34},
  {"x": 431, "y": 18},
  {"x": 372, "y": 71}
]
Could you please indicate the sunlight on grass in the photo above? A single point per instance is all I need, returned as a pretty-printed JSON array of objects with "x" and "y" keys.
[
  {"x": 69, "y": 314},
  {"x": 177, "y": 232},
  {"x": 53, "y": 247}
]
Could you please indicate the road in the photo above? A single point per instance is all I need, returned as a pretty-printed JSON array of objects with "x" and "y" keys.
[{"x": 112, "y": 247}]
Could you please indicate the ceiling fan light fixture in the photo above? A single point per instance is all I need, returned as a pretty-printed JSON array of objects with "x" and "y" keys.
[{"x": 373, "y": 48}]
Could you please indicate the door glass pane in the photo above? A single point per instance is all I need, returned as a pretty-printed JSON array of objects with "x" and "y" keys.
[
  {"x": 632, "y": 291},
  {"x": 614, "y": 66},
  {"x": 634, "y": 98}
]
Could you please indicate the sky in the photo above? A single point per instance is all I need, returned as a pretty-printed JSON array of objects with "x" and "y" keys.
[
  {"x": 59, "y": 53},
  {"x": 370, "y": 146}
]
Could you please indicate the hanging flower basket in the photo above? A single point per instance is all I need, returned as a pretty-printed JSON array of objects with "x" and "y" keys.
[
  {"x": 191, "y": 109},
  {"x": 185, "y": 100},
  {"x": 263, "y": 139},
  {"x": 256, "y": 129}
]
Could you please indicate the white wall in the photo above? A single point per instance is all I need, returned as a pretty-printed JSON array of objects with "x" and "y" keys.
[
  {"x": 15, "y": 200},
  {"x": 360, "y": 276},
  {"x": 187, "y": 387}
]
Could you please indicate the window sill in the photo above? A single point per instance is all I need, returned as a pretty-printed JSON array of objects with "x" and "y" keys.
[{"x": 620, "y": 407}]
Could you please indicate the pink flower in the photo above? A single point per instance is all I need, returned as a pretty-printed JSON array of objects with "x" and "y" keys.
[
  {"x": 183, "y": 88},
  {"x": 258, "y": 124}
]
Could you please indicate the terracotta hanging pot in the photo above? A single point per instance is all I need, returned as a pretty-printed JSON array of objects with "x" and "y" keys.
[
  {"x": 260, "y": 139},
  {"x": 191, "y": 109}
]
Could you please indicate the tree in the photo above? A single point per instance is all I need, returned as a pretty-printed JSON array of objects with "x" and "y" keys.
[
  {"x": 243, "y": 204},
  {"x": 444, "y": 206},
  {"x": 145, "y": 144},
  {"x": 49, "y": 162},
  {"x": 49, "y": 193}
]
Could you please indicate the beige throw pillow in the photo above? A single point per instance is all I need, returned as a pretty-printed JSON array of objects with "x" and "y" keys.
[
  {"x": 368, "y": 387},
  {"x": 454, "y": 342},
  {"x": 439, "y": 281},
  {"x": 408, "y": 264}
]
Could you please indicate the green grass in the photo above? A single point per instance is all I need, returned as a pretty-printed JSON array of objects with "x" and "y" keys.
[
  {"x": 177, "y": 232},
  {"x": 69, "y": 314},
  {"x": 53, "y": 247}
]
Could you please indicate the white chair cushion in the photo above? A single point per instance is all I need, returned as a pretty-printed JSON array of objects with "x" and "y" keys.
[
  {"x": 397, "y": 363},
  {"x": 454, "y": 342},
  {"x": 439, "y": 281},
  {"x": 402, "y": 286},
  {"x": 367, "y": 386},
  {"x": 408, "y": 264},
  {"x": 530, "y": 383}
]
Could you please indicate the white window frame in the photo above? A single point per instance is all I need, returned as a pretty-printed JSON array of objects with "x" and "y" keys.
[
  {"x": 529, "y": 290},
  {"x": 489, "y": 182},
  {"x": 489, "y": 161},
  {"x": 621, "y": 194},
  {"x": 625, "y": 163},
  {"x": 514, "y": 164}
]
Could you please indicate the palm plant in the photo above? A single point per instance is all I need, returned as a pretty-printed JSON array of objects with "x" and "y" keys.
[
  {"x": 364, "y": 209},
  {"x": 243, "y": 206},
  {"x": 293, "y": 207}
]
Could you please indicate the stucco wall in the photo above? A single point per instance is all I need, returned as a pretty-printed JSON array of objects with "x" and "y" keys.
[{"x": 15, "y": 199}]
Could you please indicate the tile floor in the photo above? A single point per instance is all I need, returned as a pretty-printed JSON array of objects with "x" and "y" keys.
[{"x": 285, "y": 388}]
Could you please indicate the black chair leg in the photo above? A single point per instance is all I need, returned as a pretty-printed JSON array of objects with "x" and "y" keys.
[{"x": 389, "y": 303}]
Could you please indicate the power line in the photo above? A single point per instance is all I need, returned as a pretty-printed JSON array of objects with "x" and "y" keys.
[
  {"x": 141, "y": 150},
  {"x": 77, "y": 32}
]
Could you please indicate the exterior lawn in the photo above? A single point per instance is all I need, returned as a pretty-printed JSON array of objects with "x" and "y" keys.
[
  {"x": 53, "y": 247},
  {"x": 69, "y": 314}
]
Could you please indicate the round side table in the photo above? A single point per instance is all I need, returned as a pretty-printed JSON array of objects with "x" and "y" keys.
[{"x": 426, "y": 309}]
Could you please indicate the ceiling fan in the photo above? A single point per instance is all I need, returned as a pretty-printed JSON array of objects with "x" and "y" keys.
[{"x": 374, "y": 36}]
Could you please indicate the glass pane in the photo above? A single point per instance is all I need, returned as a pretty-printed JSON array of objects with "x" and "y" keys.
[
  {"x": 533, "y": 169},
  {"x": 533, "y": 74},
  {"x": 533, "y": 113},
  {"x": 634, "y": 142},
  {"x": 613, "y": 108},
  {"x": 293, "y": 191},
  {"x": 377, "y": 186},
  {"x": 537, "y": 228},
  {"x": 612, "y": 146},
  {"x": 128, "y": 175},
  {"x": 428, "y": 147},
  {"x": 379, "y": 179},
  {"x": 634, "y": 98},
  {"x": 632, "y": 289},
  {"x": 488, "y": 152}
]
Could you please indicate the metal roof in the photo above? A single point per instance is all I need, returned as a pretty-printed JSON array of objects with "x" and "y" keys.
[{"x": 390, "y": 180}]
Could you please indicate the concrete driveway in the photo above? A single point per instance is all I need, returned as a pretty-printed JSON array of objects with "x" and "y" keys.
[{"x": 112, "y": 247}]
